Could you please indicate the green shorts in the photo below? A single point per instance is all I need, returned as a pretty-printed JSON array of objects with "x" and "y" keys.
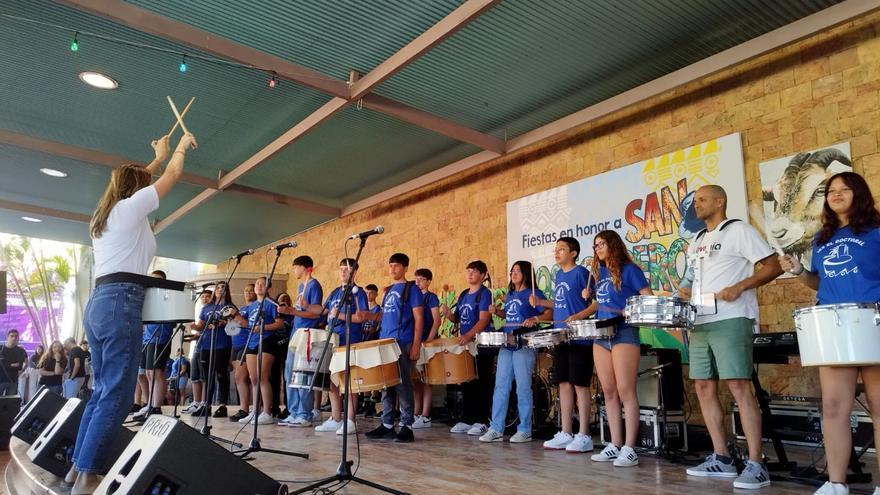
[{"x": 722, "y": 350}]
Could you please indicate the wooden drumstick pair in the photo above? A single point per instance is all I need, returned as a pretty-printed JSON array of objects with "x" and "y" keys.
[{"x": 178, "y": 115}]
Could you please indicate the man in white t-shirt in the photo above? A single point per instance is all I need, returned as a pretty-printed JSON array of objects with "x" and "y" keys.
[{"x": 723, "y": 258}]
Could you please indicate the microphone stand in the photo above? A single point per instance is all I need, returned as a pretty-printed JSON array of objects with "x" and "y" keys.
[
  {"x": 344, "y": 473},
  {"x": 255, "y": 445}
]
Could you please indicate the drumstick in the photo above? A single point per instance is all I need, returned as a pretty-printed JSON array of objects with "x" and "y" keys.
[
  {"x": 533, "y": 280},
  {"x": 182, "y": 115},
  {"x": 177, "y": 114}
]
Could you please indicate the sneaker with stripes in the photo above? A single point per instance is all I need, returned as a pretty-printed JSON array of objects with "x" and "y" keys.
[
  {"x": 754, "y": 476},
  {"x": 626, "y": 457},
  {"x": 608, "y": 454},
  {"x": 713, "y": 467}
]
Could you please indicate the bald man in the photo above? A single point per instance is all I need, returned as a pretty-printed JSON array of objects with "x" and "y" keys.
[{"x": 723, "y": 258}]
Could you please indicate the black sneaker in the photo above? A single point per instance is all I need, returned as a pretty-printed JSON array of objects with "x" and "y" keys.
[
  {"x": 220, "y": 412},
  {"x": 283, "y": 414},
  {"x": 239, "y": 415},
  {"x": 405, "y": 435},
  {"x": 201, "y": 411},
  {"x": 135, "y": 408},
  {"x": 141, "y": 417},
  {"x": 370, "y": 409},
  {"x": 381, "y": 432}
]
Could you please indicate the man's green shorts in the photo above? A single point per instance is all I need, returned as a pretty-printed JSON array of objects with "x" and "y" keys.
[{"x": 722, "y": 350}]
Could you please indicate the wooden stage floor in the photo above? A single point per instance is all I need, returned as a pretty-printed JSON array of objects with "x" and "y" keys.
[{"x": 441, "y": 463}]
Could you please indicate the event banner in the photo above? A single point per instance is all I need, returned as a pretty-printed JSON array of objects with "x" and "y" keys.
[{"x": 649, "y": 203}]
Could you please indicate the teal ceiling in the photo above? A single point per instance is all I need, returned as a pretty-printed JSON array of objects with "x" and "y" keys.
[{"x": 519, "y": 65}]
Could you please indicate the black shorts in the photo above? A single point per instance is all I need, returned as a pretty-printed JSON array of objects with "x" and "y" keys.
[
  {"x": 573, "y": 363},
  {"x": 161, "y": 360},
  {"x": 196, "y": 370},
  {"x": 237, "y": 353}
]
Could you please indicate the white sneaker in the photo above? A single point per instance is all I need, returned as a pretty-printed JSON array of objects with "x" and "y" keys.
[
  {"x": 477, "y": 429},
  {"x": 301, "y": 422},
  {"x": 460, "y": 428},
  {"x": 288, "y": 421},
  {"x": 422, "y": 422},
  {"x": 608, "y": 454},
  {"x": 492, "y": 436},
  {"x": 559, "y": 441},
  {"x": 329, "y": 425},
  {"x": 626, "y": 457},
  {"x": 876, "y": 490},
  {"x": 247, "y": 419},
  {"x": 520, "y": 437},
  {"x": 352, "y": 428},
  {"x": 144, "y": 409},
  {"x": 265, "y": 419},
  {"x": 580, "y": 444},
  {"x": 830, "y": 488},
  {"x": 190, "y": 408}
]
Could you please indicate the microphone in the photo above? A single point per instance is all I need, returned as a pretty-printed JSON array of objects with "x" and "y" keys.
[
  {"x": 363, "y": 235},
  {"x": 242, "y": 254},
  {"x": 281, "y": 247}
]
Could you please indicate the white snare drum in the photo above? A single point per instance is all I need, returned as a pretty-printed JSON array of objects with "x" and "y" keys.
[
  {"x": 496, "y": 339},
  {"x": 587, "y": 330},
  {"x": 168, "y": 306},
  {"x": 550, "y": 337},
  {"x": 232, "y": 328},
  {"x": 839, "y": 334},
  {"x": 659, "y": 312}
]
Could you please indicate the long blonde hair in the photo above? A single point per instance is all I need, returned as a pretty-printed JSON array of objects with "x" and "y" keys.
[{"x": 124, "y": 181}]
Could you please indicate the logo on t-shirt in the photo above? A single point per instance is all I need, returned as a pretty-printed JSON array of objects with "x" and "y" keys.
[
  {"x": 602, "y": 289},
  {"x": 466, "y": 312},
  {"x": 513, "y": 308},
  {"x": 391, "y": 303},
  {"x": 561, "y": 290},
  {"x": 838, "y": 262}
]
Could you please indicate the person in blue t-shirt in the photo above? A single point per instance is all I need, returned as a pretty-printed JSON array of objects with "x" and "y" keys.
[
  {"x": 335, "y": 311},
  {"x": 402, "y": 319},
  {"x": 370, "y": 328},
  {"x": 213, "y": 348},
  {"x": 306, "y": 311},
  {"x": 516, "y": 363},
  {"x": 260, "y": 363},
  {"x": 422, "y": 390},
  {"x": 154, "y": 355},
  {"x": 473, "y": 316},
  {"x": 845, "y": 269},
  {"x": 239, "y": 369},
  {"x": 617, "y": 359},
  {"x": 572, "y": 363},
  {"x": 177, "y": 378}
]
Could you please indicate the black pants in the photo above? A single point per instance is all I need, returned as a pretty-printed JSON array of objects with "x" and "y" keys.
[
  {"x": 218, "y": 374},
  {"x": 279, "y": 351},
  {"x": 477, "y": 394}
]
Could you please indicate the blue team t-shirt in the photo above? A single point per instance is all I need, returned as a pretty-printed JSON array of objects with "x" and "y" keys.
[
  {"x": 174, "y": 369},
  {"x": 469, "y": 307},
  {"x": 567, "y": 296},
  {"x": 517, "y": 308},
  {"x": 369, "y": 326},
  {"x": 360, "y": 304},
  {"x": 431, "y": 301},
  {"x": 157, "y": 333},
  {"x": 848, "y": 267},
  {"x": 249, "y": 313},
  {"x": 213, "y": 313},
  {"x": 311, "y": 294},
  {"x": 632, "y": 280},
  {"x": 393, "y": 311}
]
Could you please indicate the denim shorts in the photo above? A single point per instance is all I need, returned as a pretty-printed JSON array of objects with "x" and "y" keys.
[{"x": 625, "y": 334}]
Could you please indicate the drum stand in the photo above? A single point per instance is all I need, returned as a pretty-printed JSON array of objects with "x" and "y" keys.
[
  {"x": 255, "y": 445},
  {"x": 344, "y": 473}
]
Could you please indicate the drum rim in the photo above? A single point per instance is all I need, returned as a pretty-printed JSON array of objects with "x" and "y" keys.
[
  {"x": 834, "y": 307},
  {"x": 640, "y": 297},
  {"x": 450, "y": 341},
  {"x": 366, "y": 344}
]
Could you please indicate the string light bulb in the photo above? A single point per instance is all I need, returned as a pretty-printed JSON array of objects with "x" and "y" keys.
[
  {"x": 183, "y": 64},
  {"x": 274, "y": 81},
  {"x": 74, "y": 45}
]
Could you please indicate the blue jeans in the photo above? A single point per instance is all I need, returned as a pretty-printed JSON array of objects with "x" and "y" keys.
[
  {"x": 513, "y": 364},
  {"x": 114, "y": 328},
  {"x": 300, "y": 401},
  {"x": 404, "y": 391}
]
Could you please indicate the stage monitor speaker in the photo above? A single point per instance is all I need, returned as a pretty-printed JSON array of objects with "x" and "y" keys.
[
  {"x": 9, "y": 406},
  {"x": 168, "y": 457},
  {"x": 53, "y": 449},
  {"x": 648, "y": 386},
  {"x": 36, "y": 415}
]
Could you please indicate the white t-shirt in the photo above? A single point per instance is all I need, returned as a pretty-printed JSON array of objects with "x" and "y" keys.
[
  {"x": 128, "y": 243},
  {"x": 722, "y": 258}
]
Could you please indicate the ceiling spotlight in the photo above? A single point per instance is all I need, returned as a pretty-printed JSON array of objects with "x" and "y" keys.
[
  {"x": 98, "y": 80},
  {"x": 31, "y": 219},
  {"x": 51, "y": 172}
]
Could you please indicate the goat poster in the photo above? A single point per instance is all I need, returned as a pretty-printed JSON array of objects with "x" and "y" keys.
[{"x": 793, "y": 189}]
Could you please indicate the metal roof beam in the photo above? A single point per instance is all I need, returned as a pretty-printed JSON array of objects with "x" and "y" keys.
[{"x": 44, "y": 212}]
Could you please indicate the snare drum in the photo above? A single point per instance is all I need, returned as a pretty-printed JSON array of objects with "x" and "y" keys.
[
  {"x": 496, "y": 339},
  {"x": 450, "y": 363},
  {"x": 168, "y": 306},
  {"x": 308, "y": 345},
  {"x": 587, "y": 330},
  {"x": 659, "y": 312},
  {"x": 373, "y": 366},
  {"x": 550, "y": 337},
  {"x": 839, "y": 334}
]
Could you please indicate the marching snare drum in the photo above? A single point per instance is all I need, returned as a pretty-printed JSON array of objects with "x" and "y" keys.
[
  {"x": 496, "y": 339},
  {"x": 162, "y": 305},
  {"x": 450, "y": 363},
  {"x": 373, "y": 366},
  {"x": 588, "y": 330},
  {"x": 659, "y": 312},
  {"x": 550, "y": 337},
  {"x": 839, "y": 334},
  {"x": 308, "y": 345}
]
